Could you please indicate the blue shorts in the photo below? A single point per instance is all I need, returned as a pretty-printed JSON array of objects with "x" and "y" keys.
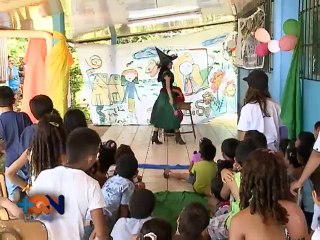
[
  {"x": 13, "y": 190},
  {"x": 191, "y": 179}
]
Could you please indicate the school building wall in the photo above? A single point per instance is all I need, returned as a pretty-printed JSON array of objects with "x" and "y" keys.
[{"x": 283, "y": 10}]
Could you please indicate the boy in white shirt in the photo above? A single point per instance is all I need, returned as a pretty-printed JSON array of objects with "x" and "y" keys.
[
  {"x": 80, "y": 191},
  {"x": 141, "y": 206},
  {"x": 260, "y": 112}
]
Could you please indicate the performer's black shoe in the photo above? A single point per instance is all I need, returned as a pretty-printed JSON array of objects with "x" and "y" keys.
[
  {"x": 179, "y": 139},
  {"x": 155, "y": 138}
]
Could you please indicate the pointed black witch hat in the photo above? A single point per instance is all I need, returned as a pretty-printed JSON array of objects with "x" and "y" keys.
[{"x": 164, "y": 58}]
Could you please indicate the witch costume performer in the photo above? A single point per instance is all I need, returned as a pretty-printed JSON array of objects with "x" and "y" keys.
[{"x": 165, "y": 114}]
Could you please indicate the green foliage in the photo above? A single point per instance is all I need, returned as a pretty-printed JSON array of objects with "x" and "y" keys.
[
  {"x": 17, "y": 47},
  {"x": 76, "y": 83},
  {"x": 76, "y": 79}
]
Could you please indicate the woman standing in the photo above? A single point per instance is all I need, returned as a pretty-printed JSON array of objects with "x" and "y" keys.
[
  {"x": 260, "y": 112},
  {"x": 163, "y": 112}
]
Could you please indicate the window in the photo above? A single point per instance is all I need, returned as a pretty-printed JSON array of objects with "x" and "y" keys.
[
  {"x": 269, "y": 11},
  {"x": 310, "y": 37}
]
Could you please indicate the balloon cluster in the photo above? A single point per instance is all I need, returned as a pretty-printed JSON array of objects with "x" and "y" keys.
[{"x": 287, "y": 43}]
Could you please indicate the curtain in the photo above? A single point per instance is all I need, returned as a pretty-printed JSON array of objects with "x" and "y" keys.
[{"x": 291, "y": 102}]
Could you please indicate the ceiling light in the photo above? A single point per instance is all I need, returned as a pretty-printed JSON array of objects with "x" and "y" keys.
[
  {"x": 162, "y": 11},
  {"x": 159, "y": 20}
]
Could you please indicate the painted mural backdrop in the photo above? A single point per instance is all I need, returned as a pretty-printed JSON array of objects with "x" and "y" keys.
[{"x": 122, "y": 86}]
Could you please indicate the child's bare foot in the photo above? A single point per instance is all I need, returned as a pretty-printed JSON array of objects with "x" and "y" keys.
[
  {"x": 139, "y": 178},
  {"x": 166, "y": 173}
]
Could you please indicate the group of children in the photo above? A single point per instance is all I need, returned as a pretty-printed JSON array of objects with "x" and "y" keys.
[
  {"x": 104, "y": 195},
  {"x": 250, "y": 193}
]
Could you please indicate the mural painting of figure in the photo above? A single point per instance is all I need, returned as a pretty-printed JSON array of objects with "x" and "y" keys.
[
  {"x": 115, "y": 88},
  {"x": 230, "y": 93},
  {"x": 129, "y": 78},
  {"x": 187, "y": 74},
  {"x": 216, "y": 82},
  {"x": 152, "y": 69},
  {"x": 99, "y": 97},
  {"x": 97, "y": 84}
]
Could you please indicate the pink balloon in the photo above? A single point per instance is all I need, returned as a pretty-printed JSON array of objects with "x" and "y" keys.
[
  {"x": 273, "y": 46},
  {"x": 288, "y": 42},
  {"x": 262, "y": 50},
  {"x": 262, "y": 35}
]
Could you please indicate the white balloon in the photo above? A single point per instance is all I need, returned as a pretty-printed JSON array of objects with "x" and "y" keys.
[{"x": 273, "y": 46}]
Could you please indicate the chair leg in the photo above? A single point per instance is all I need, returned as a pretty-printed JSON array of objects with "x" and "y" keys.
[{"x": 192, "y": 125}]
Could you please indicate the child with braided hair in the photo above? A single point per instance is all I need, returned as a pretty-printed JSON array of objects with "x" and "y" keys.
[
  {"x": 47, "y": 150},
  {"x": 264, "y": 200}
]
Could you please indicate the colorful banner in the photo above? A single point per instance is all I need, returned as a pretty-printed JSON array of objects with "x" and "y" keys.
[{"x": 121, "y": 81}]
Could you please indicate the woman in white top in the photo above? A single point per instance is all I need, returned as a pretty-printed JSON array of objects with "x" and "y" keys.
[
  {"x": 260, "y": 112},
  {"x": 47, "y": 151}
]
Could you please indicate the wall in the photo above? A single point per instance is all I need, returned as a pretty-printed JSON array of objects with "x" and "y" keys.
[
  {"x": 311, "y": 100},
  {"x": 285, "y": 9},
  {"x": 126, "y": 77}
]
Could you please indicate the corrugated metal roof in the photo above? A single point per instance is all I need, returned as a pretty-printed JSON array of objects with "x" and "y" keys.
[{"x": 91, "y": 19}]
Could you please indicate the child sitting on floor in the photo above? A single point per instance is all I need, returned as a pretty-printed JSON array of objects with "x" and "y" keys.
[
  {"x": 305, "y": 139},
  {"x": 117, "y": 190},
  {"x": 284, "y": 143},
  {"x": 264, "y": 202},
  {"x": 126, "y": 150},
  {"x": 217, "y": 205},
  {"x": 155, "y": 229},
  {"x": 100, "y": 169},
  {"x": 219, "y": 226},
  {"x": 81, "y": 192},
  {"x": 196, "y": 157},
  {"x": 141, "y": 206},
  {"x": 201, "y": 173},
  {"x": 40, "y": 105},
  {"x": 74, "y": 118},
  {"x": 228, "y": 150},
  {"x": 258, "y": 137},
  {"x": 193, "y": 222}
]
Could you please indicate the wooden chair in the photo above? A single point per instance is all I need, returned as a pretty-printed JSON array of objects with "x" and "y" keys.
[
  {"x": 3, "y": 188},
  {"x": 4, "y": 214},
  {"x": 20, "y": 229},
  {"x": 185, "y": 107}
]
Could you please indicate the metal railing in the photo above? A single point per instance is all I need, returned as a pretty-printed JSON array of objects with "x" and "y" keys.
[{"x": 310, "y": 39}]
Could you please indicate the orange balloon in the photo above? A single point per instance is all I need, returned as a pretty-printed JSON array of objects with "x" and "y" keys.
[
  {"x": 288, "y": 42},
  {"x": 262, "y": 35}
]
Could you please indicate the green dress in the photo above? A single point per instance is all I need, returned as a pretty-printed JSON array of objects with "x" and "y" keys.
[{"x": 162, "y": 115}]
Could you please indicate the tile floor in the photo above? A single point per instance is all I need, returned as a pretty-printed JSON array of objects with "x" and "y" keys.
[{"x": 138, "y": 137}]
